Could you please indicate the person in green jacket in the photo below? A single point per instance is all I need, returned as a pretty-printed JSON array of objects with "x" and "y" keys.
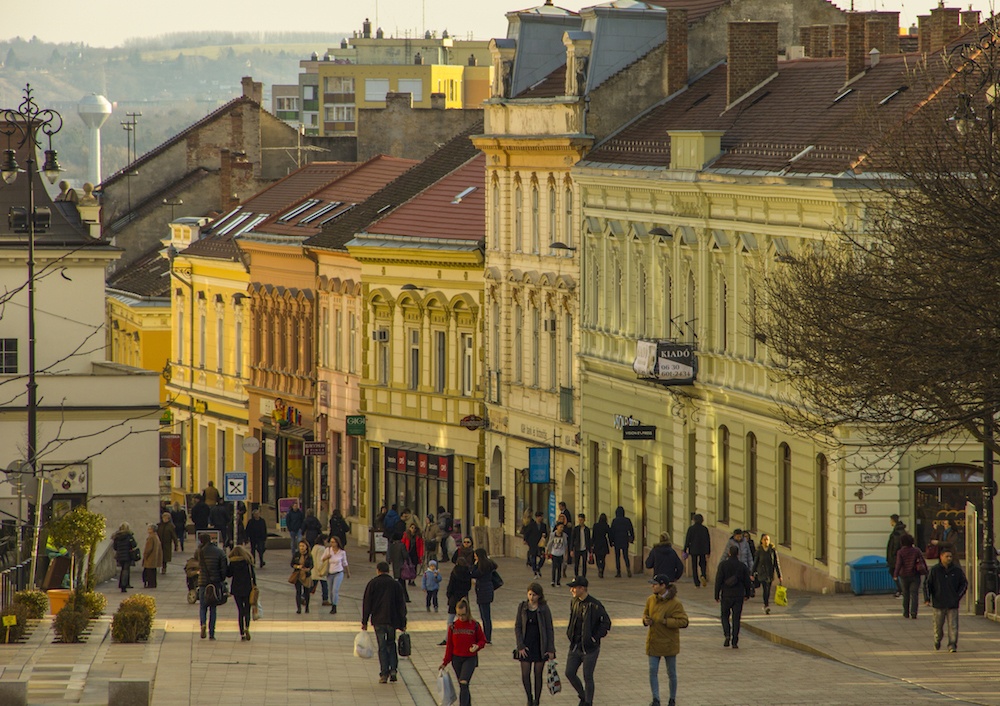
[{"x": 664, "y": 616}]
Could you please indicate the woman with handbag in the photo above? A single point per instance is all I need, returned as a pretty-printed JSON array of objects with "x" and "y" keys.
[
  {"x": 240, "y": 569},
  {"x": 320, "y": 568},
  {"x": 765, "y": 567},
  {"x": 126, "y": 554},
  {"x": 910, "y": 566},
  {"x": 483, "y": 570},
  {"x": 414, "y": 544},
  {"x": 301, "y": 576},
  {"x": 465, "y": 640},
  {"x": 399, "y": 560},
  {"x": 336, "y": 564},
  {"x": 536, "y": 642}
]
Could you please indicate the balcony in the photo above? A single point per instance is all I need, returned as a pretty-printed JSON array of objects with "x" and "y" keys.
[{"x": 566, "y": 404}]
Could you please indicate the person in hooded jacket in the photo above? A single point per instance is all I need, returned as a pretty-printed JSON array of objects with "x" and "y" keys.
[
  {"x": 201, "y": 513},
  {"x": 600, "y": 535},
  {"x": 294, "y": 519},
  {"x": 390, "y": 521},
  {"x": 312, "y": 528},
  {"x": 622, "y": 535},
  {"x": 893, "y": 545},
  {"x": 168, "y": 539},
  {"x": 766, "y": 567},
  {"x": 257, "y": 535},
  {"x": 240, "y": 569},
  {"x": 698, "y": 545},
  {"x": 126, "y": 554},
  {"x": 665, "y": 617},
  {"x": 459, "y": 586},
  {"x": 179, "y": 517},
  {"x": 219, "y": 516},
  {"x": 663, "y": 560},
  {"x": 745, "y": 551},
  {"x": 339, "y": 527},
  {"x": 482, "y": 571}
]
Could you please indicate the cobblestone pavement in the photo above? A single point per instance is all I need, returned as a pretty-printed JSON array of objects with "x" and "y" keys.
[{"x": 838, "y": 649}]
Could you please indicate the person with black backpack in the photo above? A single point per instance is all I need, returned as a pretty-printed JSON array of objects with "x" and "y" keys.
[
  {"x": 732, "y": 589},
  {"x": 212, "y": 566}
]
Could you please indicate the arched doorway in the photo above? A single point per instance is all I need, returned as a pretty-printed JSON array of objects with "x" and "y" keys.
[
  {"x": 941, "y": 493},
  {"x": 496, "y": 489},
  {"x": 569, "y": 494}
]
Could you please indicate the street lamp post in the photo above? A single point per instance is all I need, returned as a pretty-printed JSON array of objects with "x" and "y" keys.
[{"x": 23, "y": 126}]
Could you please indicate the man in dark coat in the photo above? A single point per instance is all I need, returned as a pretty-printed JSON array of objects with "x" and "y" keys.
[
  {"x": 732, "y": 589},
  {"x": 698, "y": 544},
  {"x": 200, "y": 514},
  {"x": 535, "y": 533},
  {"x": 580, "y": 545},
  {"x": 294, "y": 519},
  {"x": 179, "y": 517},
  {"x": 384, "y": 605},
  {"x": 622, "y": 535},
  {"x": 945, "y": 586},
  {"x": 588, "y": 625},
  {"x": 221, "y": 520},
  {"x": 311, "y": 527},
  {"x": 893, "y": 545},
  {"x": 663, "y": 560},
  {"x": 257, "y": 535},
  {"x": 212, "y": 572}
]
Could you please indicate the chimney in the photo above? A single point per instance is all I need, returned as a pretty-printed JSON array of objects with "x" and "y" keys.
[
  {"x": 418, "y": 59},
  {"x": 366, "y": 29},
  {"x": 970, "y": 19},
  {"x": 752, "y": 57},
  {"x": 473, "y": 61},
  {"x": 578, "y": 45},
  {"x": 945, "y": 25},
  {"x": 805, "y": 38},
  {"x": 891, "y": 32},
  {"x": 924, "y": 33},
  {"x": 855, "y": 44},
  {"x": 838, "y": 40},
  {"x": 676, "y": 60},
  {"x": 820, "y": 37},
  {"x": 254, "y": 90},
  {"x": 874, "y": 33},
  {"x": 437, "y": 101}
]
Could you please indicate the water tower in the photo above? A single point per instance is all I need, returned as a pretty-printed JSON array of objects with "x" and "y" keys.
[{"x": 93, "y": 111}]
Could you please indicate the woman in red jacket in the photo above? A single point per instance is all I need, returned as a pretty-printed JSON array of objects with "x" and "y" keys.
[
  {"x": 414, "y": 544},
  {"x": 465, "y": 639}
]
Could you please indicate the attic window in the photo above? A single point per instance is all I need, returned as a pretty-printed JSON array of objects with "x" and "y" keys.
[
  {"x": 235, "y": 222},
  {"x": 700, "y": 100},
  {"x": 298, "y": 210},
  {"x": 321, "y": 212},
  {"x": 336, "y": 214},
  {"x": 251, "y": 225},
  {"x": 759, "y": 98},
  {"x": 383, "y": 209},
  {"x": 843, "y": 95},
  {"x": 892, "y": 95},
  {"x": 463, "y": 194}
]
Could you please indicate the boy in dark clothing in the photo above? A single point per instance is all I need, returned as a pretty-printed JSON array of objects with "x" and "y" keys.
[
  {"x": 698, "y": 544},
  {"x": 732, "y": 589},
  {"x": 945, "y": 586}
]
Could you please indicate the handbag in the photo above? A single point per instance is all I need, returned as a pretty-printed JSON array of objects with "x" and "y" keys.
[
  {"x": 543, "y": 542},
  {"x": 403, "y": 647},
  {"x": 921, "y": 566},
  {"x": 446, "y": 688},
  {"x": 254, "y": 595},
  {"x": 497, "y": 580},
  {"x": 591, "y": 559},
  {"x": 932, "y": 551},
  {"x": 408, "y": 572},
  {"x": 781, "y": 596},
  {"x": 257, "y": 610},
  {"x": 552, "y": 678},
  {"x": 294, "y": 576},
  {"x": 135, "y": 556}
]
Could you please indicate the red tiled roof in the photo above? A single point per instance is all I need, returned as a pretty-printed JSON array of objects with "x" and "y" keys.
[
  {"x": 434, "y": 213},
  {"x": 759, "y": 134}
]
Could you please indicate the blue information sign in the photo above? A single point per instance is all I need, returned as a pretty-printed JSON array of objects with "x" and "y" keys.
[
  {"x": 538, "y": 464},
  {"x": 235, "y": 486},
  {"x": 552, "y": 510}
]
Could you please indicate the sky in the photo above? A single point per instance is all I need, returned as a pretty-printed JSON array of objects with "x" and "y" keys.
[{"x": 108, "y": 23}]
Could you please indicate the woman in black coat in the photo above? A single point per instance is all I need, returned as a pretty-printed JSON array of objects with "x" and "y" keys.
[
  {"x": 663, "y": 559},
  {"x": 601, "y": 541},
  {"x": 459, "y": 586},
  {"x": 536, "y": 642},
  {"x": 339, "y": 527},
  {"x": 482, "y": 571},
  {"x": 303, "y": 564},
  {"x": 244, "y": 578},
  {"x": 126, "y": 554}
]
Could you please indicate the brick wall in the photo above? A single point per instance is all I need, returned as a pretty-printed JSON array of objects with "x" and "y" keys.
[
  {"x": 752, "y": 56},
  {"x": 838, "y": 40},
  {"x": 855, "y": 44},
  {"x": 676, "y": 58},
  {"x": 820, "y": 41},
  {"x": 875, "y": 34}
]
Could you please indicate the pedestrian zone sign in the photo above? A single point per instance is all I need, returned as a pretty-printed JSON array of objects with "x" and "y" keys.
[{"x": 235, "y": 487}]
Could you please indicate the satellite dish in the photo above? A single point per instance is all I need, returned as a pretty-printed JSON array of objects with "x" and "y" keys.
[{"x": 47, "y": 491}]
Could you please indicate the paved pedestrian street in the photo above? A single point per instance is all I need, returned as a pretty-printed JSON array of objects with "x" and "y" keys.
[{"x": 839, "y": 649}]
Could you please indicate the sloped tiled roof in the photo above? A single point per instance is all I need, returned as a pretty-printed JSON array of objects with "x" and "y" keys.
[
  {"x": 446, "y": 209},
  {"x": 824, "y": 138},
  {"x": 311, "y": 212},
  {"x": 445, "y": 160},
  {"x": 551, "y": 86},
  {"x": 155, "y": 200},
  {"x": 146, "y": 277}
]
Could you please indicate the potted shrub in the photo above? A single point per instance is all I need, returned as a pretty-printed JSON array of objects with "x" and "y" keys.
[
  {"x": 134, "y": 619},
  {"x": 71, "y": 620},
  {"x": 15, "y": 632},
  {"x": 36, "y": 603},
  {"x": 79, "y": 530}
]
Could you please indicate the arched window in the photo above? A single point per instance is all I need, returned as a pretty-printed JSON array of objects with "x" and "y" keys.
[
  {"x": 496, "y": 216},
  {"x": 822, "y": 507},
  {"x": 751, "y": 481},
  {"x": 552, "y": 214},
  {"x": 785, "y": 494},
  {"x": 518, "y": 218},
  {"x": 536, "y": 325},
  {"x": 723, "y": 314},
  {"x": 518, "y": 343},
  {"x": 535, "y": 215},
  {"x": 723, "y": 480}
]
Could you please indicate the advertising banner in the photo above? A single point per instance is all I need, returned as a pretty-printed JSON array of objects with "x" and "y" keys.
[{"x": 665, "y": 362}]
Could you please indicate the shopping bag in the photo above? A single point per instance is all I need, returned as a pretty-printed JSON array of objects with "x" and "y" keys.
[
  {"x": 408, "y": 572},
  {"x": 781, "y": 596},
  {"x": 552, "y": 678},
  {"x": 403, "y": 644},
  {"x": 364, "y": 645},
  {"x": 257, "y": 610},
  {"x": 446, "y": 688}
]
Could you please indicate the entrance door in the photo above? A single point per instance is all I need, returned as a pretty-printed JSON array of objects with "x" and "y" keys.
[
  {"x": 641, "y": 467},
  {"x": 691, "y": 489},
  {"x": 470, "y": 499},
  {"x": 942, "y": 492}
]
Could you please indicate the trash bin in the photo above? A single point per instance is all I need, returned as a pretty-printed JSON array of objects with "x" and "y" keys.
[{"x": 870, "y": 574}]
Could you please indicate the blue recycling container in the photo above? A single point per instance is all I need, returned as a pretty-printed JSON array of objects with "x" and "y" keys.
[{"x": 870, "y": 575}]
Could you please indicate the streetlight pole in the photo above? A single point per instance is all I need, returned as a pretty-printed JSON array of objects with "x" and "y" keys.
[
  {"x": 23, "y": 125},
  {"x": 988, "y": 561}
]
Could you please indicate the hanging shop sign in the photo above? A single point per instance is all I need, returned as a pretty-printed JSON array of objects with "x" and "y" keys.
[
  {"x": 666, "y": 362},
  {"x": 539, "y": 464}
]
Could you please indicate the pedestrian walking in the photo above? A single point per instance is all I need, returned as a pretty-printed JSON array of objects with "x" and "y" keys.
[
  {"x": 240, "y": 569},
  {"x": 168, "y": 539},
  {"x": 466, "y": 551},
  {"x": 211, "y": 494},
  {"x": 390, "y": 521},
  {"x": 221, "y": 521},
  {"x": 294, "y": 519},
  {"x": 335, "y": 557},
  {"x": 311, "y": 527},
  {"x": 766, "y": 568},
  {"x": 581, "y": 545},
  {"x": 698, "y": 545},
  {"x": 379, "y": 524},
  {"x": 446, "y": 525},
  {"x": 535, "y": 536},
  {"x": 663, "y": 559},
  {"x": 339, "y": 527},
  {"x": 893, "y": 545},
  {"x": 909, "y": 567},
  {"x": 179, "y": 517},
  {"x": 482, "y": 571},
  {"x": 320, "y": 569},
  {"x": 201, "y": 513},
  {"x": 465, "y": 640},
  {"x": 414, "y": 544},
  {"x": 622, "y": 535},
  {"x": 384, "y": 605},
  {"x": 745, "y": 553},
  {"x": 398, "y": 557},
  {"x": 556, "y": 549},
  {"x": 944, "y": 589},
  {"x": 588, "y": 624},
  {"x": 126, "y": 554},
  {"x": 211, "y": 573},
  {"x": 301, "y": 576},
  {"x": 459, "y": 586},
  {"x": 152, "y": 557},
  {"x": 535, "y": 640},
  {"x": 601, "y": 538},
  {"x": 665, "y": 617},
  {"x": 431, "y": 583},
  {"x": 257, "y": 535},
  {"x": 430, "y": 535},
  {"x": 732, "y": 589}
]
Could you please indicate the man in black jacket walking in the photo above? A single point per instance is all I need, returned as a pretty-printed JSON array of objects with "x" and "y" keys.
[
  {"x": 732, "y": 589},
  {"x": 698, "y": 544},
  {"x": 588, "y": 624},
  {"x": 211, "y": 578},
  {"x": 535, "y": 534},
  {"x": 579, "y": 545},
  {"x": 384, "y": 605},
  {"x": 944, "y": 588},
  {"x": 622, "y": 535}
]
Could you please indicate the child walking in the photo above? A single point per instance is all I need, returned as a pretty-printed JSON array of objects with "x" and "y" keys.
[{"x": 431, "y": 582}]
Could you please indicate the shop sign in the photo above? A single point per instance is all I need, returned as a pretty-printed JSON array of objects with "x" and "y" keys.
[
  {"x": 422, "y": 464},
  {"x": 472, "y": 422},
  {"x": 665, "y": 362},
  {"x": 356, "y": 425},
  {"x": 539, "y": 464},
  {"x": 170, "y": 450},
  {"x": 639, "y": 431},
  {"x": 314, "y": 448}
]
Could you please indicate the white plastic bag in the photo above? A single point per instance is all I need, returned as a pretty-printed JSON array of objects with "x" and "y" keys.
[
  {"x": 364, "y": 645},
  {"x": 257, "y": 610},
  {"x": 446, "y": 688}
]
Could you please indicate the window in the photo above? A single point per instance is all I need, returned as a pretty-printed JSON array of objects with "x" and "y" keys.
[
  {"x": 518, "y": 344},
  {"x": 338, "y": 341},
  {"x": 352, "y": 342},
  {"x": 309, "y": 92},
  {"x": 822, "y": 507},
  {"x": 518, "y": 226},
  {"x": 382, "y": 360},
  {"x": 535, "y": 238},
  {"x": 643, "y": 296},
  {"x": 552, "y": 214},
  {"x": 339, "y": 84},
  {"x": 595, "y": 479},
  {"x": 723, "y": 459},
  {"x": 238, "y": 347},
  {"x": 617, "y": 296},
  {"x": 375, "y": 89},
  {"x": 553, "y": 352},
  {"x": 287, "y": 103},
  {"x": 667, "y": 330},
  {"x": 616, "y": 470},
  {"x": 324, "y": 340},
  {"x": 785, "y": 494},
  {"x": 751, "y": 480},
  {"x": 413, "y": 86},
  {"x": 202, "y": 335},
  {"x": 568, "y": 217},
  {"x": 8, "y": 356},
  {"x": 238, "y": 455},
  {"x": 440, "y": 361},
  {"x": 220, "y": 342},
  {"x": 220, "y": 452},
  {"x": 339, "y": 113},
  {"x": 496, "y": 216},
  {"x": 414, "y": 371},
  {"x": 468, "y": 365},
  {"x": 536, "y": 324},
  {"x": 692, "y": 309},
  {"x": 723, "y": 314},
  {"x": 568, "y": 351},
  {"x": 495, "y": 324}
]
